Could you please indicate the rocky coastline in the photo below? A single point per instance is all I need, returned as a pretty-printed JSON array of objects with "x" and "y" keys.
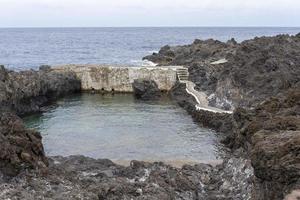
[
  {"x": 259, "y": 78},
  {"x": 238, "y": 74}
]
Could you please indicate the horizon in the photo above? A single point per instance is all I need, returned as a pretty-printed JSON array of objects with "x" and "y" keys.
[
  {"x": 150, "y": 27},
  {"x": 154, "y": 13}
]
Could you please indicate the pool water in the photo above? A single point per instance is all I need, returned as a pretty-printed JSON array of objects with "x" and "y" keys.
[{"x": 121, "y": 128}]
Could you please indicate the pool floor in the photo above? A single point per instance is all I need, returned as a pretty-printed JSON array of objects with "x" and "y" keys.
[{"x": 121, "y": 128}]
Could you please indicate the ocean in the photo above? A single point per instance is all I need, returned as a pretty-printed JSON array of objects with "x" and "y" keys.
[{"x": 28, "y": 48}]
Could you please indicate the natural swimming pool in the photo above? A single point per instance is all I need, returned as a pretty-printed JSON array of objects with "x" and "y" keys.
[{"x": 121, "y": 128}]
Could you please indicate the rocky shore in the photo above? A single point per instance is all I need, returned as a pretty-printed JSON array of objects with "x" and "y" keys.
[
  {"x": 267, "y": 136},
  {"x": 238, "y": 74},
  {"x": 27, "y": 91},
  {"x": 259, "y": 78},
  {"x": 22, "y": 93}
]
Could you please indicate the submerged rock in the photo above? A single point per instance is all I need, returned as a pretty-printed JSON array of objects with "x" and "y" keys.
[{"x": 146, "y": 89}]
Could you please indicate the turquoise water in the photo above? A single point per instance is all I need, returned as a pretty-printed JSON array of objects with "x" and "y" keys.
[
  {"x": 121, "y": 128},
  {"x": 24, "y": 48}
]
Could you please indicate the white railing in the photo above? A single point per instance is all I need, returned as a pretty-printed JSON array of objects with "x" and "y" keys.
[{"x": 200, "y": 97}]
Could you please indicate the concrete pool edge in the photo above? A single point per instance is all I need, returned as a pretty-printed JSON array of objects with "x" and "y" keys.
[{"x": 119, "y": 78}]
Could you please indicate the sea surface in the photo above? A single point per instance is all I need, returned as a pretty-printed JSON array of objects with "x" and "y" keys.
[
  {"x": 25, "y": 48},
  {"x": 121, "y": 128}
]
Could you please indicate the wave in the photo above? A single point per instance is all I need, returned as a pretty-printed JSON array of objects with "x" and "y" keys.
[
  {"x": 143, "y": 63},
  {"x": 153, "y": 51}
]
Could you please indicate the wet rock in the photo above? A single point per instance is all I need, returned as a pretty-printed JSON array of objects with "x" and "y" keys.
[{"x": 146, "y": 89}]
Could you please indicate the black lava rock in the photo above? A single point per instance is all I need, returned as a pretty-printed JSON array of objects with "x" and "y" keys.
[{"x": 146, "y": 89}]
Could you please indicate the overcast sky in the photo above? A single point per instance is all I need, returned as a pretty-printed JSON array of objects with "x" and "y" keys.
[{"x": 86, "y": 13}]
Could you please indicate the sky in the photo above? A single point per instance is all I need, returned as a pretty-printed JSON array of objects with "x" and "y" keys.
[{"x": 115, "y": 13}]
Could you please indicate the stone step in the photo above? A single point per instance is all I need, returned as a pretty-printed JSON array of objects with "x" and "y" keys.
[
  {"x": 182, "y": 70},
  {"x": 183, "y": 75}
]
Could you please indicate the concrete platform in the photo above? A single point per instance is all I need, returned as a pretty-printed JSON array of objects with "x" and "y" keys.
[{"x": 120, "y": 78}]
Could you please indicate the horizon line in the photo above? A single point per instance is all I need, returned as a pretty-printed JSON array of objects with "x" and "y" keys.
[{"x": 266, "y": 26}]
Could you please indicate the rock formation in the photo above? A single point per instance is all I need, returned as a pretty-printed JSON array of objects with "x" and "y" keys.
[
  {"x": 78, "y": 177},
  {"x": 146, "y": 89},
  {"x": 265, "y": 124},
  {"x": 238, "y": 74},
  {"x": 270, "y": 133},
  {"x": 21, "y": 93},
  {"x": 20, "y": 148},
  {"x": 27, "y": 91}
]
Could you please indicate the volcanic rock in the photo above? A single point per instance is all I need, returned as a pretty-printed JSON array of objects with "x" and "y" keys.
[
  {"x": 20, "y": 148},
  {"x": 245, "y": 74},
  {"x": 146, "y": 89},
  {"x": 26, "y": 91}
]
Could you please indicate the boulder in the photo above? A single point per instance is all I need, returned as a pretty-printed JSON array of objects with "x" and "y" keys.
[
  {"x": 146, "y": 89},
  {"x": 20, "y": 148}
]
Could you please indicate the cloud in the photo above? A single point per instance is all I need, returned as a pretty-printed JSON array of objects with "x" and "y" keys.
[{"x": 149, "y": 12}]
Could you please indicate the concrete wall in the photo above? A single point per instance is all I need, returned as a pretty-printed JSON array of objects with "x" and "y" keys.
[{"x": 120, "y": 78}]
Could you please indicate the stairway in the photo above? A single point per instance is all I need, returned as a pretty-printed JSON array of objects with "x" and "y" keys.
[
  {"x": 200, "y": 97},
  {"x": 182, "y": 74}
]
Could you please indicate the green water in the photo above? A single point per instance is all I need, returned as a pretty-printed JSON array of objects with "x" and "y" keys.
[{"x": 121, "y": 128}]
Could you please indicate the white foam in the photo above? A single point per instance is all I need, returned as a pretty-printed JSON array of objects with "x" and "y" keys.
[
  {"x": 153, "y": 51},
  {"x": 144, "y": 63}
]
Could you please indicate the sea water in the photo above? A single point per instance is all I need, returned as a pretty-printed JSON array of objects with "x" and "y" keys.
[
  {"x": 121, "y": 128},
  {"x": 25, "y": 48}
]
